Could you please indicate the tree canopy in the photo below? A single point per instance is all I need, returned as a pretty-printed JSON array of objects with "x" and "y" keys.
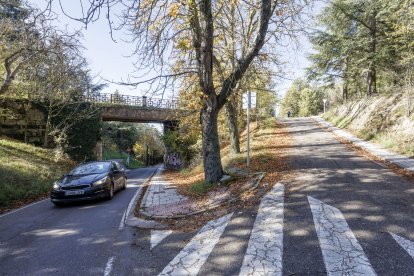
[
  {"x": 364, "y": 45},
  {"x": 181, "y": 38}
]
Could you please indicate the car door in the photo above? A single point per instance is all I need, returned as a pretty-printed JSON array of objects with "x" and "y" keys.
[
  {"x": 116, "y": 176},
  {"x": 122, "y": 176}
]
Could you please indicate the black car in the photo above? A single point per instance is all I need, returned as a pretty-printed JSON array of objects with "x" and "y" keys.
[{"x": 88, "y": 181}]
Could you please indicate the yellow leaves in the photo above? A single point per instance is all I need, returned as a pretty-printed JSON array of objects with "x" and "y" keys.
[
  {"x": 174, "y": 9},
  {"x": 184, "y": 44},
  {"x": 145, "y": 4},
  {"x": 138, "y": 149}
]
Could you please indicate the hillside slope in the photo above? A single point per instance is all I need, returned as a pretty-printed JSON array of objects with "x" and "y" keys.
[
  {"x": 27, "y": 172},
  {"x": 383, "y": 120}
]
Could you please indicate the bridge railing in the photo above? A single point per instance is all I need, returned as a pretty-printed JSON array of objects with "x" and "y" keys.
[{"x": 106, "y": 98}]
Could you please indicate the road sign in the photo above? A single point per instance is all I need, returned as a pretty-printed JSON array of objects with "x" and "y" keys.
[
  {"x": 324, "y": 105},
  {"x": 252, "y": 100}
]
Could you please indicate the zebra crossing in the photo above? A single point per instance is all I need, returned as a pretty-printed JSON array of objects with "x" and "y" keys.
[
  {"x": 265, "y": 248},
  {"x": 341, "y": 251}
]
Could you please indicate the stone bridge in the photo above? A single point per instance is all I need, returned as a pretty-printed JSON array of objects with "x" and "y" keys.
[
  {"x": 125, "y": 108},
  {"x": 115, "y": 107}
]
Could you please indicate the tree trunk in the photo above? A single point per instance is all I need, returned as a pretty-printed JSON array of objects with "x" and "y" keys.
[
  {"x": 47, "y": 129},
  {"x": 231, "y": 108},
  {"x": 213, "y": 169},
  {"x": 345, "y": 81},
  {"x": 372, "y": 73},
  {"x": 371, "y": 81},
  {"x": 203, "y": 40},
  {"x": 345, "y": 92},
  {"x": 231, "y": 114},
  {"x": 5, "y": 86}
]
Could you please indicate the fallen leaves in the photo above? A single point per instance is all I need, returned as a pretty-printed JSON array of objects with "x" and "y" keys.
[{"x": 269, "y": 146}]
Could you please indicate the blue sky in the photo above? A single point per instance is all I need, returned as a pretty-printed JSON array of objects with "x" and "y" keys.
[{"x": 110, "y": 59}]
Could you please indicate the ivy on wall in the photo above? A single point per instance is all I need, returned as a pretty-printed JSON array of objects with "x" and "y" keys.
[{"x": 82, "y": 134}]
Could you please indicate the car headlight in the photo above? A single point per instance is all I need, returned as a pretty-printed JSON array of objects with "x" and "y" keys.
[
  {"x": 56, "y": 186},
  {"x": 100, "y": 181}
]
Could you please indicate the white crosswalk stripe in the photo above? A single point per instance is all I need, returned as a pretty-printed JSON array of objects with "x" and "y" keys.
[
  {"x": 342, "y": 253},
  {"x": 265, "y": 248},
  {"x": 404, "y": 243},
  {"x": 195, "y": 253},
  {"x": 158, "y": 235}
]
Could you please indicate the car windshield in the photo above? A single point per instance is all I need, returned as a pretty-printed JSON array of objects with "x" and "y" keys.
[{"x": 91, "y": 168}]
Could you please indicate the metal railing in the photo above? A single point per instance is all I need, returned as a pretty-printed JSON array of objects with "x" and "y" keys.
[{"x": 143, "y": 101}]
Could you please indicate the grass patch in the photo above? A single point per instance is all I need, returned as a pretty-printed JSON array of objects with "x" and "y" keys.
[
  {"x": 134, "y": 164},
  {"x": 200, "y": 188},
  {"x": 27, "y": 172},
  {"x": 109, "y": 154},
  {"x": 113, "y": 154},
  {"x": 394, "y": 144},
  {"x": 345, "y": 122},
  {"x": 364, "y": 134}
]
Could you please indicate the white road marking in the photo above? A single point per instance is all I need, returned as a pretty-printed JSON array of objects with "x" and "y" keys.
[
  {"x": 14, "y": 211},
  {"x": 265, "y": 249},
  {"x": 122, "y": 223},
  {"x": 342, "y": 253},
  {"x": 158, "y": 235},
  {"x": 129, "y": 208},
  {"x": 131, "y": 203},
  {"x": 404, "y": 243},
  {"x": 195, "y": 253},
  {"x": 109, "y": 265}
]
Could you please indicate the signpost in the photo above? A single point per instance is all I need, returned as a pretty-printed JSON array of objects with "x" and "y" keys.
[
  {"x": 324, "y": 105},
  {"x": 249, "y": 101}
]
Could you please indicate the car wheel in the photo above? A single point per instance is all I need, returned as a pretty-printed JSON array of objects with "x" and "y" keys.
[
  {"x": 125, "y": 183},
  {"x": 111, "y": 191},
  {"x": 58, "y": 204}
]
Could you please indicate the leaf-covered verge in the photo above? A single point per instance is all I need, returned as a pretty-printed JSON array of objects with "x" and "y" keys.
[
  {"x": 27, "y": 173},
  {"x": 269, "y": 153}
]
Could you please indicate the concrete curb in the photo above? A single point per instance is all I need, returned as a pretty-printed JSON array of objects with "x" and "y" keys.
[
  {"x": 132, "y": 220},
  {"x": 383, "y": 154},
  {"x": 215, "y": 205}
]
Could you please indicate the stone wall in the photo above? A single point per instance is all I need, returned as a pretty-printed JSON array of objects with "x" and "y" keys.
[{"x": 23, "y": 121}]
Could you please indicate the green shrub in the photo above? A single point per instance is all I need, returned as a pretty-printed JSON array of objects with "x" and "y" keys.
[{"x": 200, "y": 188}]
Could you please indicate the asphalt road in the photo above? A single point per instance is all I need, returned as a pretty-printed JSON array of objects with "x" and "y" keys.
[
  {"x": 339, "y": 214},
  {"x": 373, "y": 200},
  {"x": 77, "y": 239}
]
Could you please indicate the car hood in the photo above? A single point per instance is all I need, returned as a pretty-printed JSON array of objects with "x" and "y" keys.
[{"x": 70, "y": 180}]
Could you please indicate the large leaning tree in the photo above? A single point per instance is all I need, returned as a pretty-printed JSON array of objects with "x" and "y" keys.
[{"x": 160, "y": 28}]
